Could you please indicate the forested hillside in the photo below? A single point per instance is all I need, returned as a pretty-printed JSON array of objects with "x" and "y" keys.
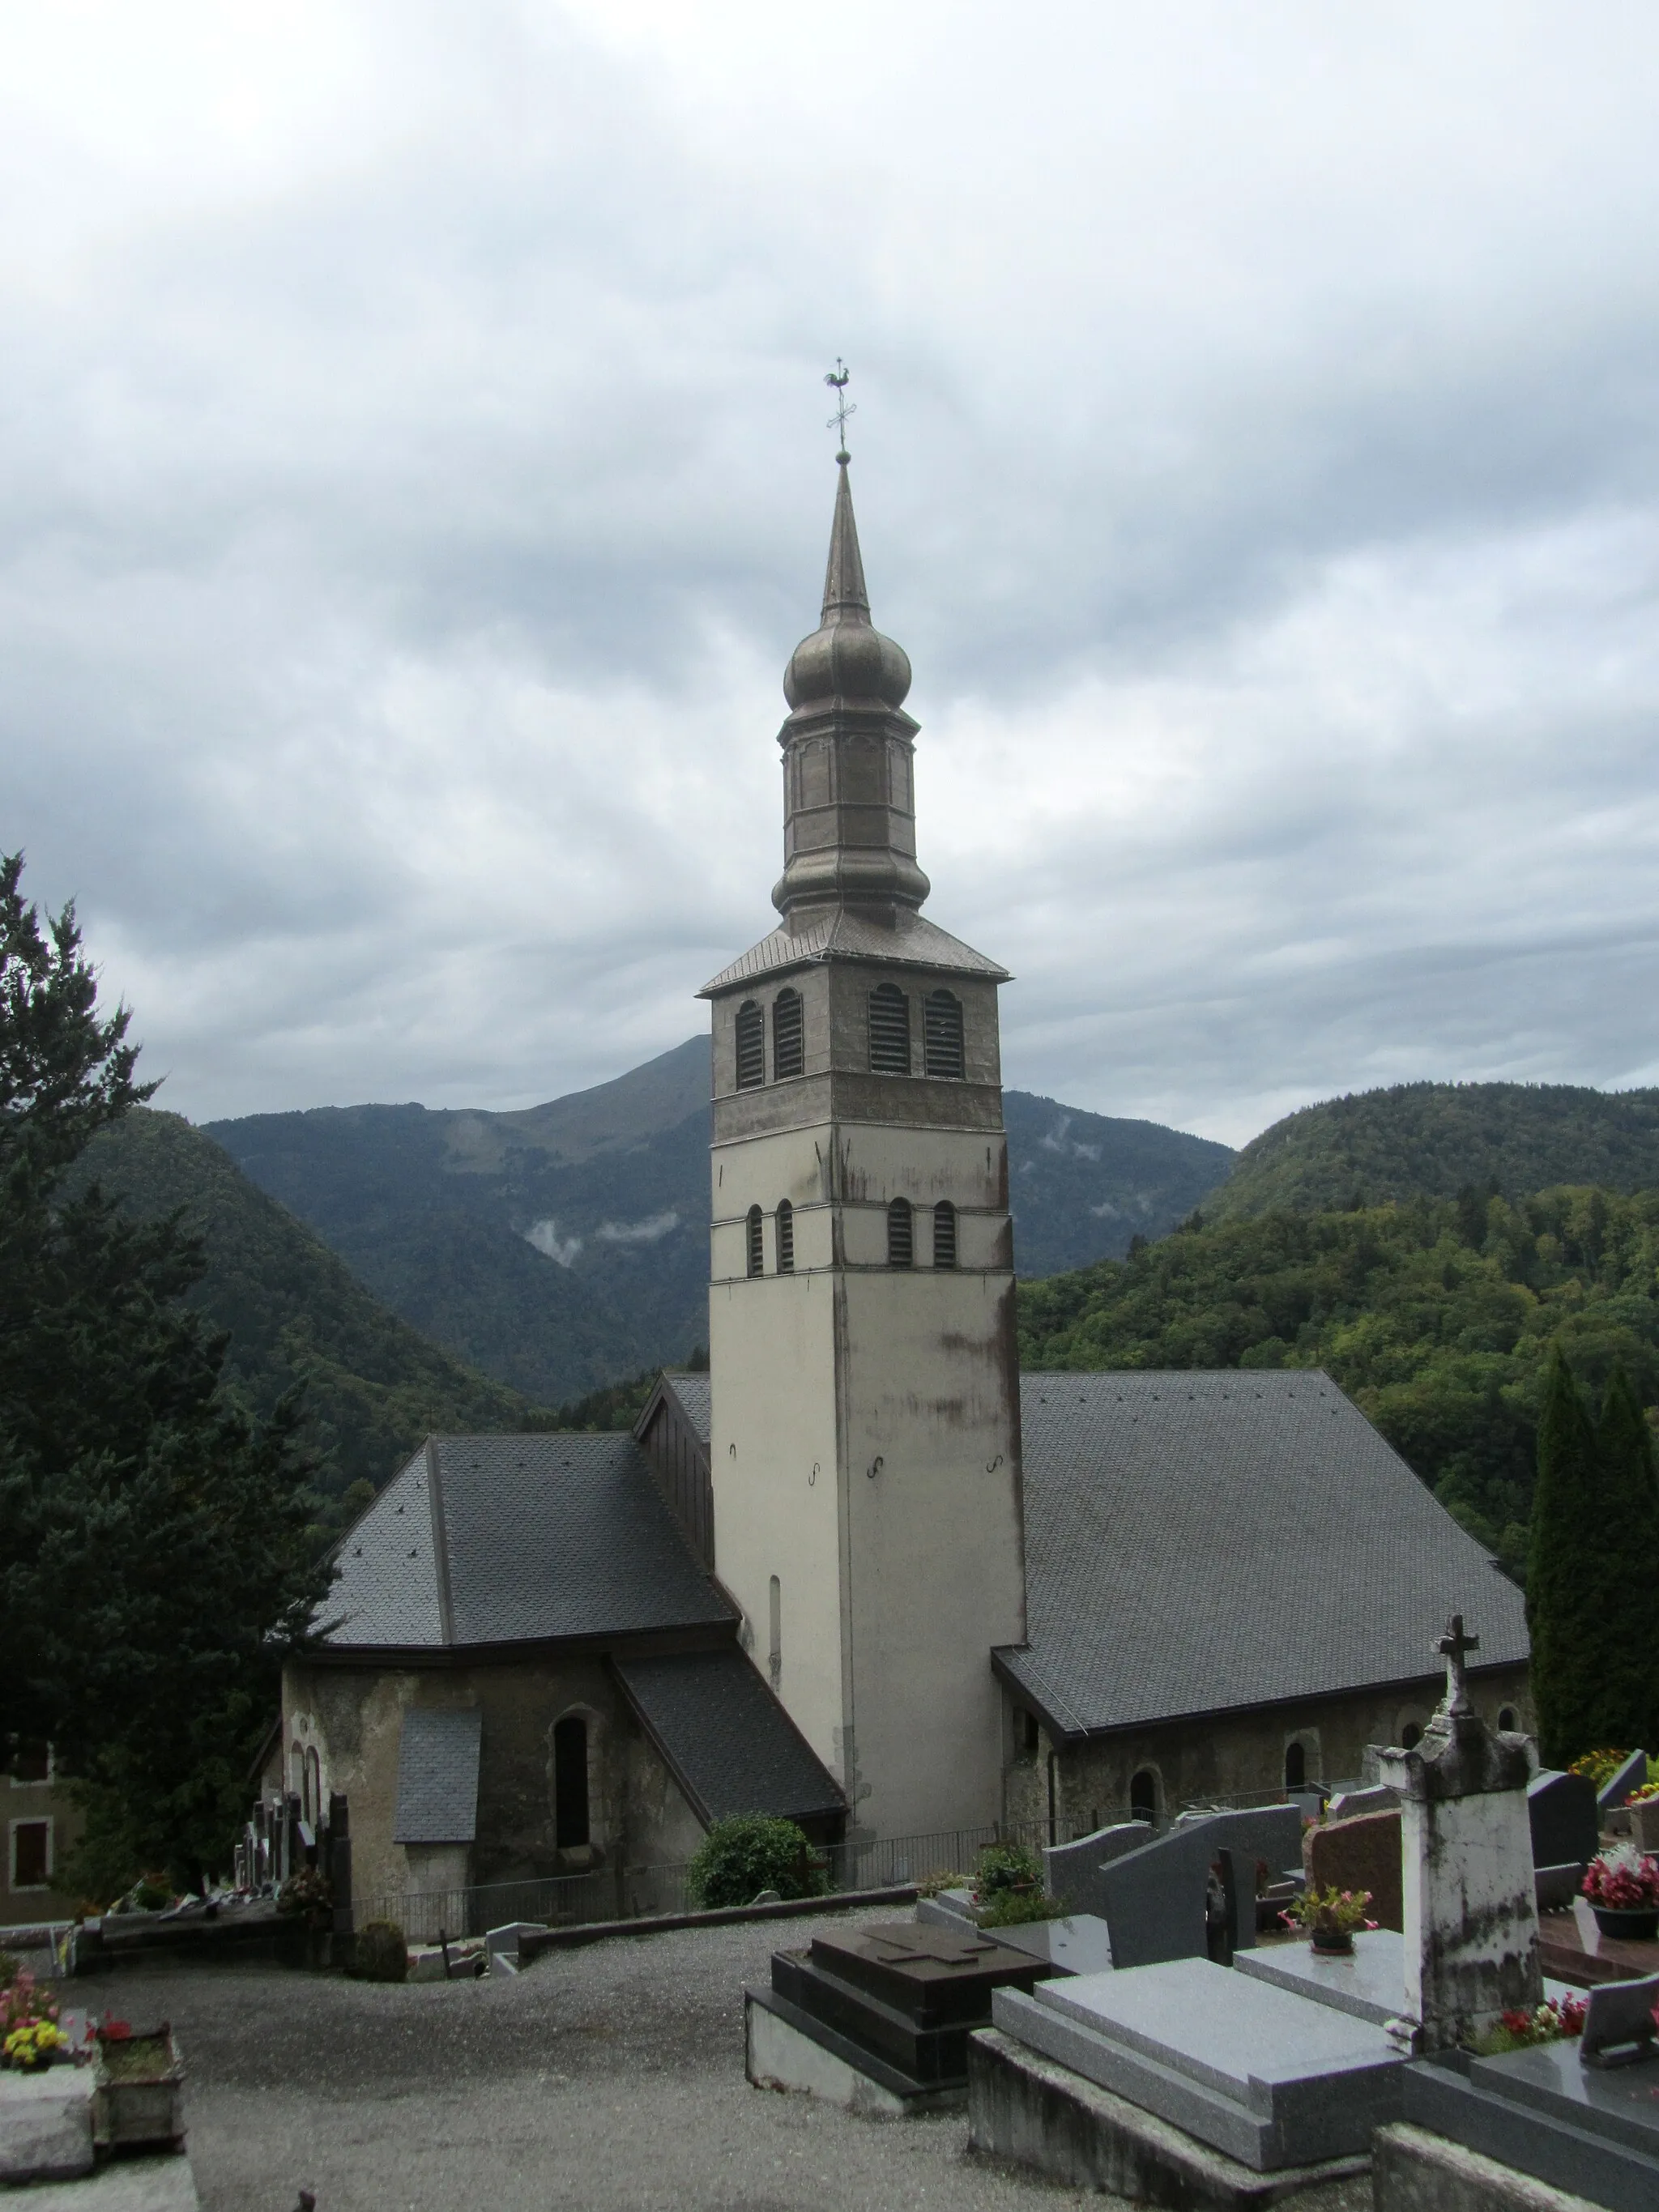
[
  {"x": 296, "y": 1314},
  {"x": 566, "y": 1246},
  {"x": 1433, "y": 1139},
  {"x": 1435, "y": 1316}
]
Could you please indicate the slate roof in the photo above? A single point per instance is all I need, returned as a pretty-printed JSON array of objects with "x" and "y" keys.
[
  {"x": 728, "y": 1742},
  {"x": 1196, "y": 1542},
  {"x": 438, "y": 1777},
  {"x": 913, "y": 943},
  {"x": 533, "y": 1538},
  {"x": 695, "y": 1396}
]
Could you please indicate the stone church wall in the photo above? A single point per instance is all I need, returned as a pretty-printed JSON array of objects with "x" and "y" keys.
[
  {"x": 353, "y": 1717},
  {"x": 1242, "y": 1754}
]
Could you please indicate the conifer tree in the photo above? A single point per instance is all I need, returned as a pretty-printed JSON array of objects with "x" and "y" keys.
[
  {"x": 153, "y": 1553},
  {"x": 1566, "y": 1573},
  {"x": 1629, "y": 1493}
]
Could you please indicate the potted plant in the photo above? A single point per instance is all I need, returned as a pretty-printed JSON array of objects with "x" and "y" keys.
[
  {"x": 1622, "y": 1886},
  {"x": 30, "y": 2038},
  {"x": 1555, "y": 2021},
  {"x": 1329, "y": 1917},
  {"x": 137, "y": 2094}
]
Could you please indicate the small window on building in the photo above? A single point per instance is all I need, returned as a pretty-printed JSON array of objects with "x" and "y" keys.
[
  {"x": 944, "y": 1234},
  {"x": 785, "y": 1237},
  {"x": 1143, "y": 1796},
  {"x": 901, "y": 1239},
  {"x": 1506, "y": 1719},
  {"x": 751, "y": 1046},
  {"x": 30, "y": 1761},
  {"x": 774, "y": 1644},
  {"x": 1295, "y": 1766},
  {"x": 890, "y": 1030},
  {"x": 1030, "y": 1735},
  {"x": 313, "y": 1788},
  {"x": 789, "y": 1036},
  {"x": 1410, "y": 1736},
  {"x": 31, "y": 1854},
  {"x": 570, "y": 1823},
  {"x": 756, "y": 1231},
  {"x": 942, "y": 1033}
]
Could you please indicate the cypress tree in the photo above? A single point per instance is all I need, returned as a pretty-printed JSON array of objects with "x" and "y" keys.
[
  {"x": 1566, "y": 1572},
  {"x": 1630, "y": 1523}
]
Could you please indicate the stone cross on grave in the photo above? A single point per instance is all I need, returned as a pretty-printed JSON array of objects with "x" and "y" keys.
[
  {"x": 1455, "y": 1647},
  {"x": 943, "y": 1946}
]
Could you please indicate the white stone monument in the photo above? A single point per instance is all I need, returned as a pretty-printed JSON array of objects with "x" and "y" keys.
[{"x": 1471, "y": 1911}]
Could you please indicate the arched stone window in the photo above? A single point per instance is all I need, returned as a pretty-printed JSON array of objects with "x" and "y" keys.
[
  {"x": 1295, "y": 1766},
  {"x": 313, "y": 1811},
  {"x": 751, "y": 1046},
  {"x": 890, "y": 1030},
  {"x": 1506, "y": 1719},
  {"x": 901, "y": 1236},
  {"x": 785, "y": 1237},
  {"x": 1143, "y": 1796},
  {"x": 944, "y": 1234},
  {"x": 296, "y": 1772},
  {"x": 789, "y": 1036},
  {"x": 571, "y": 1827},
  {"x": 754, "y": 1231},
  {"x": 1410, "y": 1736},
  {"x": 942, "y": 1034}
]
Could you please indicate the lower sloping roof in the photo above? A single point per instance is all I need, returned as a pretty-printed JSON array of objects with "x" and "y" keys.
[
  {"x": 727, "y": 1742},
  {"x": 438, "y": 1777},
  {"x": 1196, "y": 1542}
]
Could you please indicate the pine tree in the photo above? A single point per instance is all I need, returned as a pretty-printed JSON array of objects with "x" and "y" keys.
[
  {"x": 1566, "y": 1572},
  {"x": 152, "y": 1554},
  {"x": 1629, "y": 1493}
]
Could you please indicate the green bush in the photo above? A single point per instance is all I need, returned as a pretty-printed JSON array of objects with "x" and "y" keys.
[
  {"x": 748, "y": 1853},
  {"x": 942, "y": 1878},
  {"x": 1012, "y": 1908},
  {"x": 1006, "y": 1866},
  {"x": 380, "y": 1953}
]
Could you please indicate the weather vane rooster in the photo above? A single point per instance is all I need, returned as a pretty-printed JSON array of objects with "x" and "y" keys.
[{"x": 837, "y": 378}]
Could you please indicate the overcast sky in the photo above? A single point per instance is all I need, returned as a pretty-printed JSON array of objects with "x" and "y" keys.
[{"x": 414, "y": 477}]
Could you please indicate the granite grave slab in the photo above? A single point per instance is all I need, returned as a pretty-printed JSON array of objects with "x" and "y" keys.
[
  {"x": 1272, "y": 2079},
  {"x": 1153, "y": 1896},
  {"x": 1369, "y": 1984},
  {"x": 1544, "y": 2114}
]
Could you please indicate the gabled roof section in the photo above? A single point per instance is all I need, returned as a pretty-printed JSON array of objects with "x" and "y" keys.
[
  {"x": 727, "y": 1740},
  {"x": 438, "y": 1777},
  {"x": 1198, "y": 1542},
  {"x": 913, "y": 942},
  {"x": 495, "y": 1540},
  {"x": 695, "y": 1395}
]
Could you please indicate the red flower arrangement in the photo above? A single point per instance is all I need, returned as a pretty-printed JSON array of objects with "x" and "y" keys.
[{"x": 1623, "y": 1880}]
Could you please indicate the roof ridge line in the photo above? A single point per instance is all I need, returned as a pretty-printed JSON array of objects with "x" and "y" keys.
[{"x": 434, "y": 1494}]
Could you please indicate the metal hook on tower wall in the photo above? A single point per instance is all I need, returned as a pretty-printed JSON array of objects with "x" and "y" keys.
[{"x": 874, "y": 1467}]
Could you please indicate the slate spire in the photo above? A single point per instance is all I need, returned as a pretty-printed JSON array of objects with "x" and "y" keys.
[{"x": 845, "y": 597}]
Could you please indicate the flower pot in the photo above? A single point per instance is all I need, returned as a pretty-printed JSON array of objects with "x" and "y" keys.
[
  {"x": 1333, "y": 1942},
  {"x": 1632, "y": 1925}
]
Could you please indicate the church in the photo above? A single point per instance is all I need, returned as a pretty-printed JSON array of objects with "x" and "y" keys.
[{"x": 863, "y": 1574}]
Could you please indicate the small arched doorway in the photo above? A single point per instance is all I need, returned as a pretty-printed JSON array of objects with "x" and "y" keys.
[
  {"x": 1143, "y": 1796},
  {"x": 1295, "y": 1766}
]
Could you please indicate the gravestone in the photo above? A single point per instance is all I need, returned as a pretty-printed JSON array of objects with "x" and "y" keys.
[
  {"x": 878, "y": 2018},
  {"x": 1563, "y": 1819},
  {"x": 1080, "y": 1944},
  {"x": 1069, "y": 1869},
  {"x": 1470, "y": 1907},
  {"x": 1362, "y": 1853},
  {"x": 1262, "y": 2076},
  {"x": 1369, "y": 1982},
  {"x": 1153, "y": 1897},
  {"x": 1610, "y": 1797}
]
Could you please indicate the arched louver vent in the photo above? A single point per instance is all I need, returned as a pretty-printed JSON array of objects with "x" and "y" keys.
[
  {"x": 942, "y": 1033},
  {"x": 757, "y": 1236},
  {"x": 789, "y": 1036},
  {"x": 785, "y": 1237},
  {"x": 944, "y": 1234},
  {"x": 751, "y": 1046},
  {"x": 901, "y": 1240},
  {"x": 890, "y": 1030}
]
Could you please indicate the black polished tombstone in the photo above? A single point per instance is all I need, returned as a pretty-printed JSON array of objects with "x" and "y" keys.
[
  {"x": 1561, "y": 1810},
  {"x": 905, "y": 1995}
]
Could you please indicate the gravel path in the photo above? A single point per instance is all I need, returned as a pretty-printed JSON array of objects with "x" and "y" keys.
[{"x": 608, "y": 2079}]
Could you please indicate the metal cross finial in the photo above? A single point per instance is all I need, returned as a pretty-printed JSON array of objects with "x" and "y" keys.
[
  {"x": 1455, "y": 1646},
  {"x": 837, "y": 380}
]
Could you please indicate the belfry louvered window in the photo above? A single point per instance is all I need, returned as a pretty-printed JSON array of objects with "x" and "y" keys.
[
  {"x": 890, "y": 1030},
  {"x": 942, "y": 1033},
  {"x": 751, "y": 1046},
  {"x": 901, "y": 1239},
  {"x": 785, "y": 1237},
  {"x": 944, "y": 1234},
  {"x": 788, "y": 1037},
  {"x": 755, "y": 1232}
]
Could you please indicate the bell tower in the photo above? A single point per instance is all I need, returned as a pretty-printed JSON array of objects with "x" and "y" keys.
[{"x": 865, "y": 1401}]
